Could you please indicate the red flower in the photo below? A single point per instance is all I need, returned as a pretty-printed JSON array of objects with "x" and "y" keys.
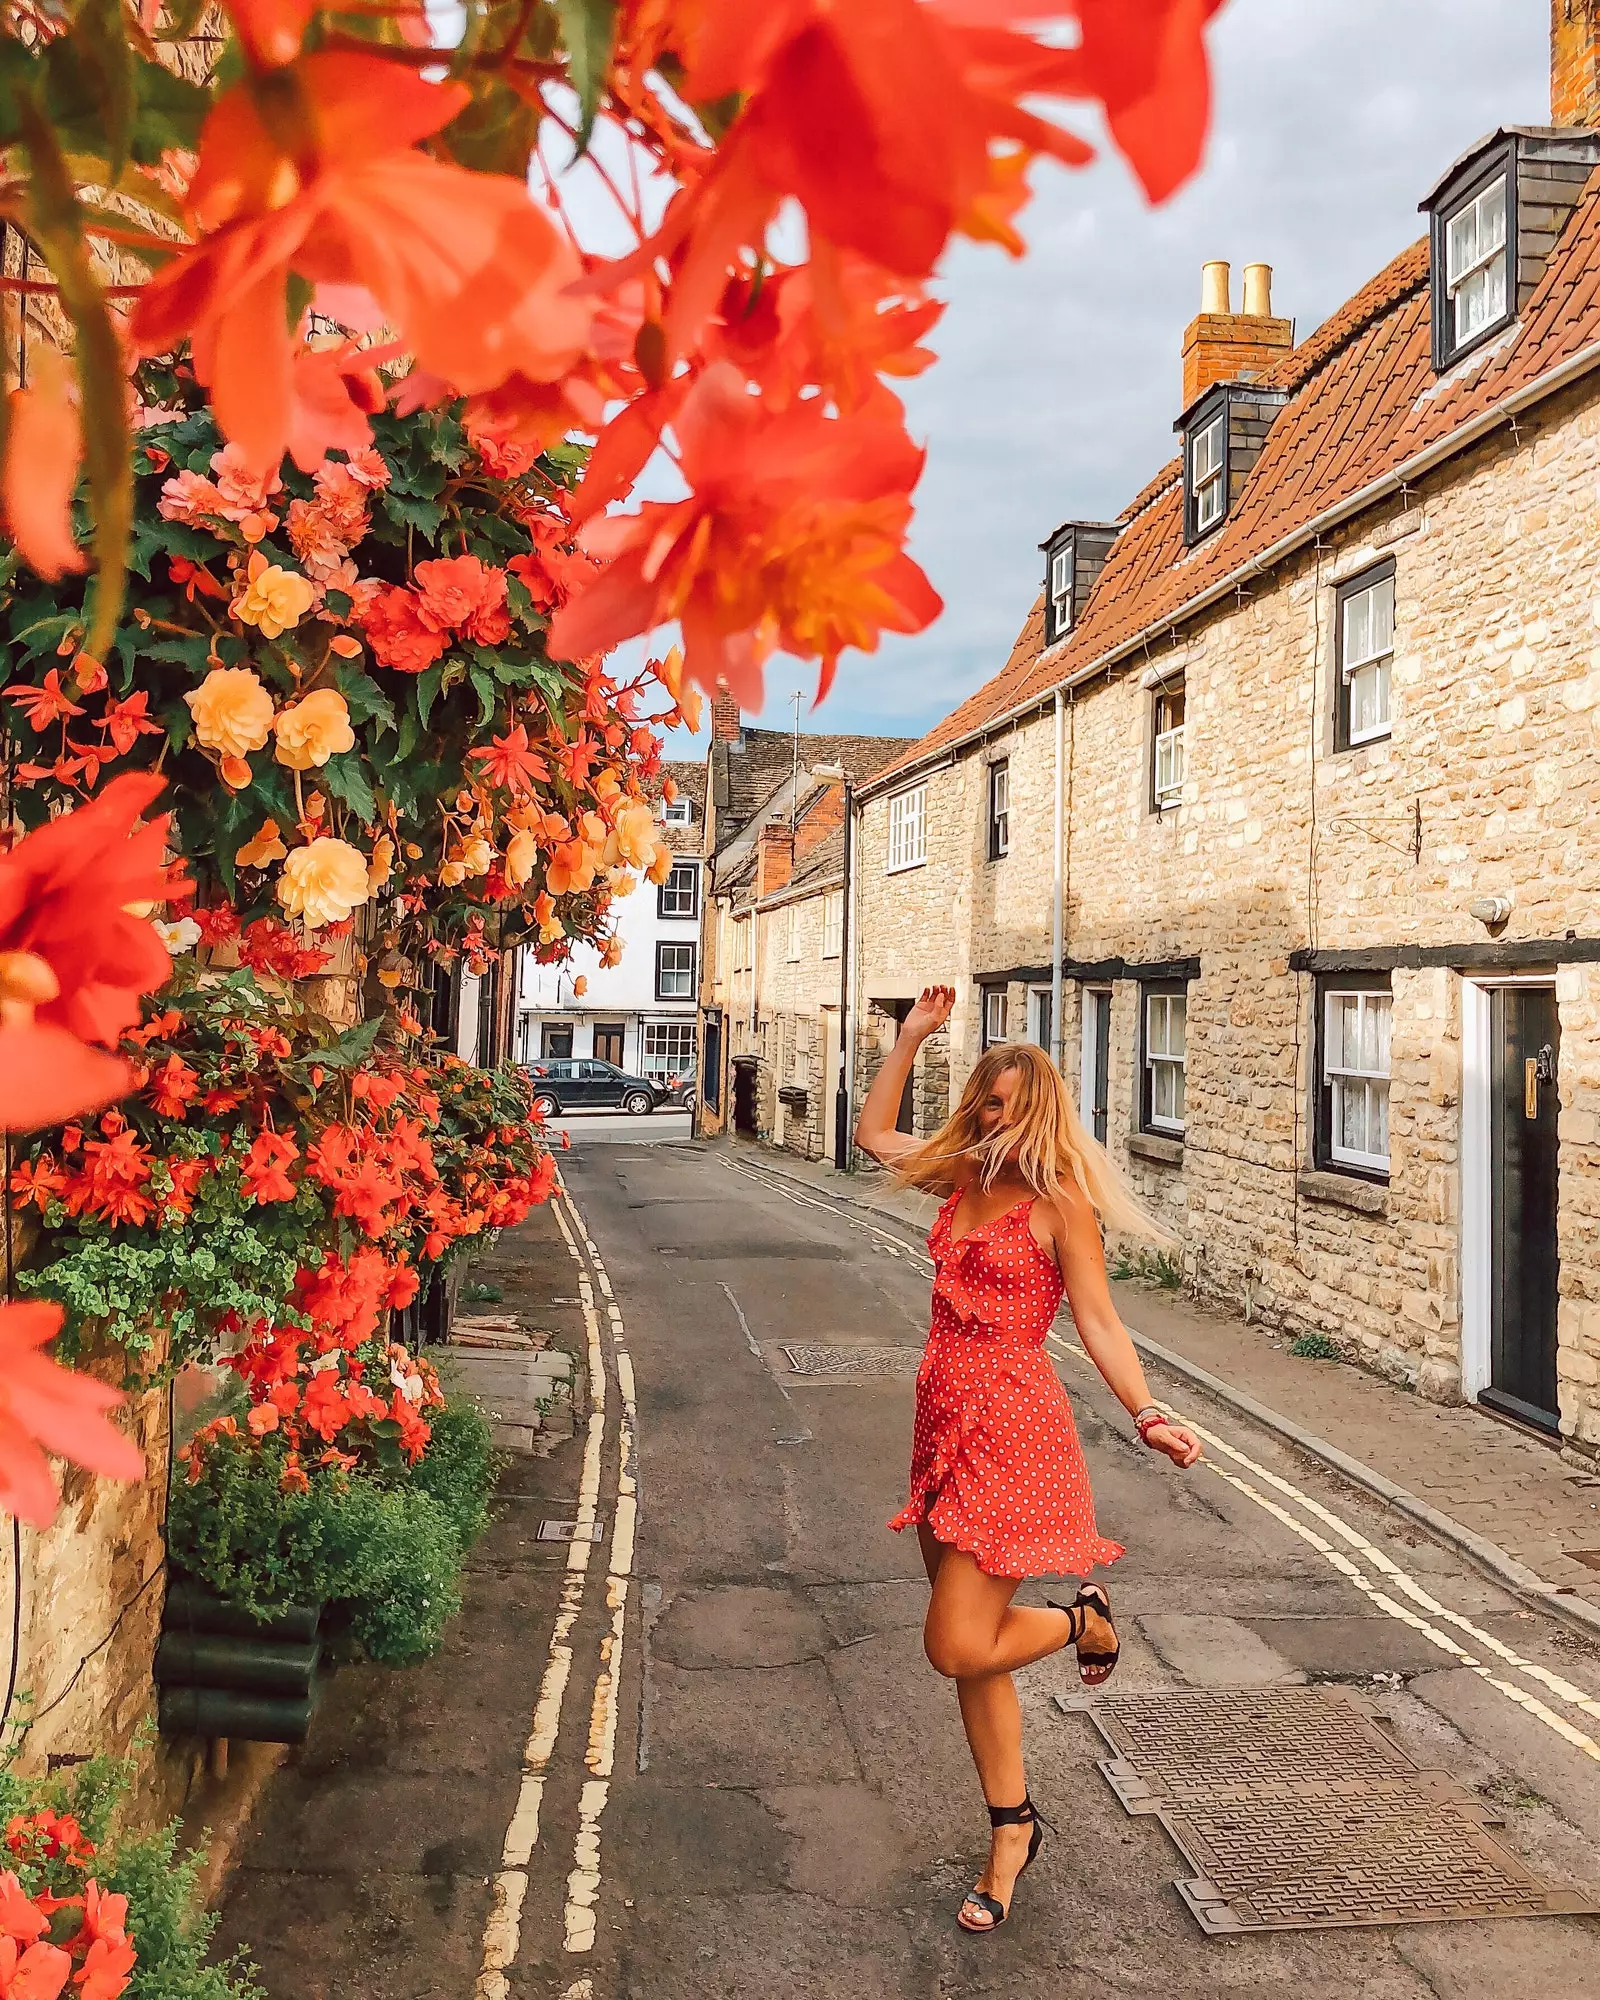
[
  {"x": 173, "y": 1087},
  {"x": 73, "y": 962},
  {"x": 38, "y": 1973},
  {"x": 114, "y": 1180},
  {"x": 264, "y": 1176},
  {"x": 512, "y": 764},
  {"x": 463, "y": 594},
  {"x": 792, "y": 539},
  {"x": 45, "y": 1405},
  {"x": 219, "y": 923},
  {"x": 313, "y": 172},
  {"x": 398, "y": 637}
]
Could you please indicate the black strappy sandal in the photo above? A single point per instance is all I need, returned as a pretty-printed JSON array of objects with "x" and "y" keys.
[
  {"x": 1102, "y": 1665},
  {"x": 1027, "y": 1814}
]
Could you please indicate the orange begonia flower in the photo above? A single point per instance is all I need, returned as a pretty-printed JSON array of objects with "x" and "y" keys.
[
  {"x": 45, "y": 1405},
  {"x": 313, "y": 172},
  {"x": 73, "y": 961},
  {"x": 266, "y": 846},
  {"x": 44, "y": 443},
  {"x": 792, "y": 539}
]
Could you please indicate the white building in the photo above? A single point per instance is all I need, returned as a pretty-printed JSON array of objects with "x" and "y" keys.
[{"x": 640, "y": 1013}]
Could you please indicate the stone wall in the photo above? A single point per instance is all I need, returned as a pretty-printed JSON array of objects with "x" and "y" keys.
[
  {"x": 798, "y": 1004},
  {"x": 1488, "y": 785}
]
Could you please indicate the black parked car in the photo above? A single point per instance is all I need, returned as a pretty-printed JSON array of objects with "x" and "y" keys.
[{"x": 581, "y": 1083}]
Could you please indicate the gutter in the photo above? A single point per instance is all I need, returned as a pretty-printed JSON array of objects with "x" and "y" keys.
[{"x": 1551, "y": 383}]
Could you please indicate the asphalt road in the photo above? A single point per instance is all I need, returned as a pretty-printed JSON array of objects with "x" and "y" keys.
[
  {"x": 610, "y": 1128},
  {"x": 792, "y": 1810},
  {"x": 702, "y": 1755}
]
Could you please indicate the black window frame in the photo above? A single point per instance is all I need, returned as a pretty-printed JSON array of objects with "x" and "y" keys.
[
  {"x": 1447, "y": 351},
  {"x": 1168, "y": 690},
  {"x": 999, "y": 821},
  {"x": 1323, "y": 986},
  {"x": 1211, "y": 408},
  {"x": 1064, "y": 544},
  {"x": 689, "y": 916},
  {"x": 1375, "y": 573},
  {"x": 1150, "y": 989},
  {"x": 677, "y": 944}
]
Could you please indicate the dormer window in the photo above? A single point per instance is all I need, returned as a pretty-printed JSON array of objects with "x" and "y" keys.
[
  {"x": 1074, "y": 556},
  {"x": 1208, "y": 473},
  {"x": 1060, "y": 592},
  {"x": 1476, "y": 256},
  {"x": 678, "y": 812},
  {"x": 1494, "y": 220}
]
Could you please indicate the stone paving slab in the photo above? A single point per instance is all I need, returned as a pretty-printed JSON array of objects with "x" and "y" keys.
[{"x": 1498, "y": 1484}]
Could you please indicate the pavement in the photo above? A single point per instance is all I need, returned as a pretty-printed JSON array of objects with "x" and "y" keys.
[{"x": 703, "y": 1755}]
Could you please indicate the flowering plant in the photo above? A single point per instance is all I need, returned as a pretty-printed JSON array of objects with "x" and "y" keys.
[
  {"x": 333, "y": 171},
  {"x": 270, "y": 1174},
  {"x": 343, "y": 676}
]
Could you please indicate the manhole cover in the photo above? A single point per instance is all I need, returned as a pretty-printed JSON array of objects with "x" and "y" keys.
[
  {"x": 851, "y": 1364},
  {"x": 1298, "y": 1813},
  {"x": 568, "y": 1531}
]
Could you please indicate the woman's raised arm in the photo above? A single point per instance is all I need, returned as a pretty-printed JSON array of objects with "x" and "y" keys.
[{"x": 875, "y": 1128}]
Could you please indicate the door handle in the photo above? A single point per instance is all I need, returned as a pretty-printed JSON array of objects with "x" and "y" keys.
[{"x": 1530, "y": 1087}]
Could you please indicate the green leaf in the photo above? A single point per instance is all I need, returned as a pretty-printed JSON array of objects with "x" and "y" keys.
[
  {"x": 488, "y": 694},
  {"x": 409, "y": 511},
  {"x": 494, "y": 134},
  {"x": 108, "y": 63},
  {"x": 588, "y": 27},
  {"x": 363, "y": 697},
  {"x": 347, "y": 781},
  {"x": 428, "y": 687},
  {"x": 352, "y": 1047},
  {"x": 171, "y": 111}
]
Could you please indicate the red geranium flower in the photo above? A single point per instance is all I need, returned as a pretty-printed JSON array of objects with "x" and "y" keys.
[{"x": 264, "y": 1176}]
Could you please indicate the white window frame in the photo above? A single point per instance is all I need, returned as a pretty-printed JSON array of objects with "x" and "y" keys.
[
  {"x": 681, "y": 1035},
  {"x": 908, "y": 830},
  {"x": 833, "y": 924},
  {"x": 1061, "y": 592},
  {"x": 678, "y": 812},
  {"x": 1208, "y": 472},
  {"x": 1341, "y": 1077},
  {"x": 1000, "y": 809},
  {"x": 1160, "y": 1055},
  {"x": 1040, "y": 999},
  {"x": 1168, "y": 749},
  {"x": 1462, "y": 281},
  {"x": 792, "y": 933},
  {"x": 996, "y": 1016},
  {"x": 1377, "y": 661},
  {"x": 676, "y": 971}
]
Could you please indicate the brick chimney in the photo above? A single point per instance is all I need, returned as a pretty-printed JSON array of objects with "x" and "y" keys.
[
  {"x": 1575, "y": 62},
  {"x": 1224, "y": 346},
  {"x": 823, "y": 816},
  {"x": 774, "y": 857},
  {"x": 726, "y": 725}
]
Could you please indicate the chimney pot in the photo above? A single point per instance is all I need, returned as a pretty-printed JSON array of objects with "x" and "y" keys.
[
  {"x": 1258, "y": 291},
  {"x": 1215, "y": 289}
]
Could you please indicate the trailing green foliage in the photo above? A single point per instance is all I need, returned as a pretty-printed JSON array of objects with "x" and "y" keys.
[
  {"x": 185, "y": 1277},
  {"x": 1148, "y": 1267},
  {"x": 1315, "y": 1347},
  {"x": 386, "y": 1547},
  {"x": 167, "y": 1923}
]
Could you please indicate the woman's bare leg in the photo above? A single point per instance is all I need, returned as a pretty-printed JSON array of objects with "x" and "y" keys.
[{"x": 974, "y": 1635}]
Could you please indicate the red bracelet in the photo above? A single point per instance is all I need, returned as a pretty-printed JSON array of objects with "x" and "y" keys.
[{"x": 1144, "y": 1424}]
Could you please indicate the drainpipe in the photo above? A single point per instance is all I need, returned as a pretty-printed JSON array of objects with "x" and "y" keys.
[
  {"x": 850, "y": 954},
  {"x": 1057, "y": 926},
  {"x": 847, "y": 940}
]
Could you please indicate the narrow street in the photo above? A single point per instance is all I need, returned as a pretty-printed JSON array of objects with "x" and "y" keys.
[{"x": 773, "y": 1798}]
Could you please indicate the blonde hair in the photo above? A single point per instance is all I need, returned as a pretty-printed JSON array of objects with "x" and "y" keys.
[{"x": 1042, "y": 1135}]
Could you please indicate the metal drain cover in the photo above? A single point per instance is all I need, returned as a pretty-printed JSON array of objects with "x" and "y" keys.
[
  {"x": 569, "y": 1531},
  {"x": 851, "y": 1364},
  {"x": 1298, "y": 1813}
]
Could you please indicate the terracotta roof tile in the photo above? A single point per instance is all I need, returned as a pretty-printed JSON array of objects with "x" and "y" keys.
[{"x": 1363, "y": 401}]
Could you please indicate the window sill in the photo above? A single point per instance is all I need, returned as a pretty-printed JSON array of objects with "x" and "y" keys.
[
  {"x": 1151, "y": 1146},
  {"x": 1363, "y": 743},
  {"x": 1344, "y": 1191},
  {"x": 904, "y": 867}
]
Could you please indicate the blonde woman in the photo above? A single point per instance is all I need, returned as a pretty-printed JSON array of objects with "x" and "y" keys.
[{"x": 999, "y": 1489}]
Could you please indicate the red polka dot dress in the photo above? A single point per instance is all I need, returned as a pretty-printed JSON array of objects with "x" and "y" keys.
[{"x": 996, "y": 1467}]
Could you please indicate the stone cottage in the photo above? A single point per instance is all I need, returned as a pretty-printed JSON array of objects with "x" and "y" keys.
[
  {"x": 773, "y": 990},
  {"x": 1278, "y": 825}
]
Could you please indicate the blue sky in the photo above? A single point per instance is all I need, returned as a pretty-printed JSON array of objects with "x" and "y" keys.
[{"x": 1059, "y": 376}]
